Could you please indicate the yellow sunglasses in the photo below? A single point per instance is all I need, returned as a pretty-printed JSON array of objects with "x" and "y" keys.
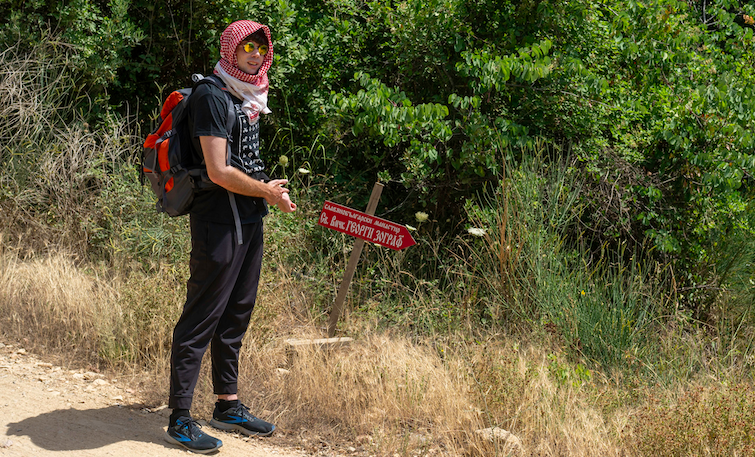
[{"x": 250, "y": 47}]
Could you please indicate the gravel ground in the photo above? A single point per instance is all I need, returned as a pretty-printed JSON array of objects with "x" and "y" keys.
[{"x": 46, "y": 410}]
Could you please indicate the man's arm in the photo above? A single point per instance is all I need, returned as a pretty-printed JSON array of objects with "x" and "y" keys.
[{"x": 233, "y": 179}]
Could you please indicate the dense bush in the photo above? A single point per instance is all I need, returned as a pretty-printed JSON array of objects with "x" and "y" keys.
[{"x": 654, "y": 98}]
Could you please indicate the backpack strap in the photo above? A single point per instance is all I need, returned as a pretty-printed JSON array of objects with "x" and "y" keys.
[
  {"x": 230, "y": 120},
  {"x": 231, "y": 113}
]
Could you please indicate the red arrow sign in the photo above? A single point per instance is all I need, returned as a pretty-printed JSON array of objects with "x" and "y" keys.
[{"x": 362, "y": 225}]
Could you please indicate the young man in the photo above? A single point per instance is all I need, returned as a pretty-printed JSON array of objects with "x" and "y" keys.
[{"x": 226, "y": 237}]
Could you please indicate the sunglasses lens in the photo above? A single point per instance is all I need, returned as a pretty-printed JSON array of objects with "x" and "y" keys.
[{"x": 249, "y": 47}]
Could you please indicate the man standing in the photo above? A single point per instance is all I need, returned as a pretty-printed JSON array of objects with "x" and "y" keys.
[{"x": 226, "y": 236}]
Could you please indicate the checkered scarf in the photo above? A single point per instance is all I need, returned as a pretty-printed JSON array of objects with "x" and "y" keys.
[{"x": 252, "y": 89}]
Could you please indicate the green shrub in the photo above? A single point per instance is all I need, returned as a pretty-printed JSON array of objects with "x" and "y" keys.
[{"x": 531, "y": 270}]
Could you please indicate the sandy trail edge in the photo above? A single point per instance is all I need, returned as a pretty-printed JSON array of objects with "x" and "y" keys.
[{"x": 49, "y": 411}]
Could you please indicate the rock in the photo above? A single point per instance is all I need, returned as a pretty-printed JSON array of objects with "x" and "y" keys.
[
  {"x": 364, "y": 439},
  {"x": 419, "y": 440},
  {"x": 44, "y": 365},
  {"x": 162, "y": 410},
  {"x": 91, "y": 375},
  {"x": 100, "y": 382},
  {"x": 510, "y": 442}
]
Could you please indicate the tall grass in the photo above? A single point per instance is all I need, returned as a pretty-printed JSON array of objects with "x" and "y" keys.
[
  {"x": 53, "y": 165},
  {"x": 56, "y": 305},
  {"x": 65, "y": 184},
  {"x": 531, "y": 260}
]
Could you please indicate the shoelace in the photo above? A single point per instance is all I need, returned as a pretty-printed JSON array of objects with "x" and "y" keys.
[
  {"x": 192, "y": 428},
  {"x": 244, "y": 412}
]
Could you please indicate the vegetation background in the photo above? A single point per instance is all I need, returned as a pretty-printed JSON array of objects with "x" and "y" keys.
[{"x": 578, "y": 175}]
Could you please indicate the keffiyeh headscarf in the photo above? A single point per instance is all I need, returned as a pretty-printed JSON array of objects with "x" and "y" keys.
[{"x": 251, "y": 89}]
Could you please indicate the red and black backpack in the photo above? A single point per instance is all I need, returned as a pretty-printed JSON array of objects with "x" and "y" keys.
[{"x": 167, "y": 159}]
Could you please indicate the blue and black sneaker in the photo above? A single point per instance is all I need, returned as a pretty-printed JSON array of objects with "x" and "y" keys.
[
  {"x": 186, "y": 432},
  {"x": 238, "y": 418}
]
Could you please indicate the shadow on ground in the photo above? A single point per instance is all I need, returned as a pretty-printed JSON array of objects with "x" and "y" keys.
[{"x": 80, "y": 429}]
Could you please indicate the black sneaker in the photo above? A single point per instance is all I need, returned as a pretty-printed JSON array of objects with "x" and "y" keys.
[
  {"x": 238, "y": 418},
  {"x": 187, "y": 433}
]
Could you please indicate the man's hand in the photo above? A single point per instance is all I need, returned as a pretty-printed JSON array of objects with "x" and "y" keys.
[
  {"x": 286, "y": 205},
  {"x": 276, "y": 191}
]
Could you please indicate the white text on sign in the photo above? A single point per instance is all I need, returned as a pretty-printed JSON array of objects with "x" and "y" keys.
[{"x": 364, "y": 226}]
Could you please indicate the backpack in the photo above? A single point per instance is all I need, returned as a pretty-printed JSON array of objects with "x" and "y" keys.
[{"x": 167, "y": 159}]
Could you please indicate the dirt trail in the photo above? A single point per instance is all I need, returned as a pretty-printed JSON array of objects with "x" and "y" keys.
[{"x": 49, "y": 411}]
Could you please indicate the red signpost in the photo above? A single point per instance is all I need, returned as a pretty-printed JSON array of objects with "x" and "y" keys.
[
  {"x": 365, "y": 227},
  {"x": 362, "y": 225}
]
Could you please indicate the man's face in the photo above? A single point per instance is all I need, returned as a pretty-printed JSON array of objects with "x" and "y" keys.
[{"x": 250, "y": 55}]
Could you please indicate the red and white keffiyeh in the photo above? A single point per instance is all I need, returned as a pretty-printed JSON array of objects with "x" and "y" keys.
[{"x": 251, "y": 89}]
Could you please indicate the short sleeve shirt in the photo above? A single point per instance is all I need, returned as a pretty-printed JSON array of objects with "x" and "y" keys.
[{"x": 208, "y": 114}]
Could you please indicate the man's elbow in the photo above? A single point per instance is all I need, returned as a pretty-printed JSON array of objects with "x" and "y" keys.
[{"x": 218, "y": 175}]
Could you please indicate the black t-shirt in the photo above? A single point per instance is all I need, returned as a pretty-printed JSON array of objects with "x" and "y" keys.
[{"x": 208, "y": 112}]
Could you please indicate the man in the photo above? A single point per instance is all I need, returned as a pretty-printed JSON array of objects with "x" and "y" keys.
[{"x": 226, "y": 233}]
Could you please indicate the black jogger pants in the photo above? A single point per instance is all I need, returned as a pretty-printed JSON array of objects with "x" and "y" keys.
[{"x": 220, "y": 297}]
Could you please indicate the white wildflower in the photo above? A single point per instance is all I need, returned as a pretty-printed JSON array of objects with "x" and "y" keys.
[{"x": 476, "y": 231}]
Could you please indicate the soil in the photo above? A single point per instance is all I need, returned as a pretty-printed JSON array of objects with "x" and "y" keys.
[{"x": 47, "y": 410}]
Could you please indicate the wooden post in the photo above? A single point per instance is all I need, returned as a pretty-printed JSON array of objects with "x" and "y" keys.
[{"x": 348, "y": 275}]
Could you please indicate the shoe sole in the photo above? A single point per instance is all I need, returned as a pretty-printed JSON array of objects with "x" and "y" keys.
[
  {"x": 172, "y": 440},
  {"x": 239, "y": 428}
]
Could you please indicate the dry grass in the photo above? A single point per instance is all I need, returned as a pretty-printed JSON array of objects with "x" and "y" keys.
[
  {"x": 384, "y": 394},
  {"x": 700, "y": 418},
  {"x": 53, "y": 305},
  {"x": 92, "y": 317},
  {"x": 548, "y": 402}
]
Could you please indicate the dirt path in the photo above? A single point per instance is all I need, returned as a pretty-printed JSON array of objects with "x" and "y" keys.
[{"x": 49, "y": 411}]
